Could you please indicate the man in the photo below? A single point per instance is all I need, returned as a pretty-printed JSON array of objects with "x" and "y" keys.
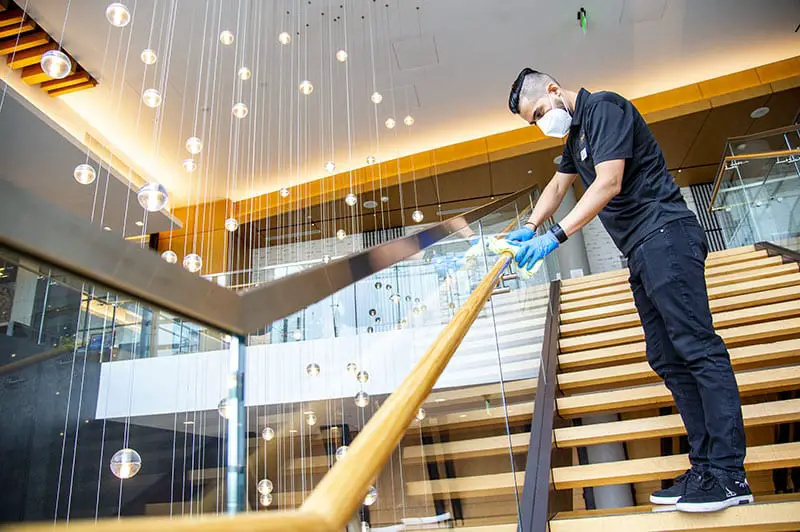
[{"x": 627, "y": 184}]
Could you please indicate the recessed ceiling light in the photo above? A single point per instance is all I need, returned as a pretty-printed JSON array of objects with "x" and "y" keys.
[
  {"x": 106, "y": 228},
  {"x": 759, "y": 112},
  {"x": 139, "y": 223},
  {"x": 292, "y": 431},
  {"x": 384, "y": 199},
  {"x": 370, "y": 204},
  {"x": 189, "y": 422},
  {"x": 557, "y": 159}
]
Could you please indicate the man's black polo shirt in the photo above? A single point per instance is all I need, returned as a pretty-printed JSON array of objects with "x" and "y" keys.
[{"x": 606, "y": 126}]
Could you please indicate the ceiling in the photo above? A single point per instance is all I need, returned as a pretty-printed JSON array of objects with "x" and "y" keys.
[
  {"x": 36, "y": 155},
  {"x": 452, "y": 73},
  {"x": 692, "y": 145}
]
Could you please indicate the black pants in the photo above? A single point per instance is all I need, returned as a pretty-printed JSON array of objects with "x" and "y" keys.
[{"x": 669, "y": 288}]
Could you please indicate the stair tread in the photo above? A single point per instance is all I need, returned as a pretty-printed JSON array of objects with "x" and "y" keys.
[
  {"x": 726, "y": 290},
  {"x": 759, "y": 458},
  {"x": 758, "y": 414},
  {"x": 759, "y": 516},
  {"x": 638, "y": 372},
  {"x": 635, "y": 351},
  {"x": 655, "y": 395}
]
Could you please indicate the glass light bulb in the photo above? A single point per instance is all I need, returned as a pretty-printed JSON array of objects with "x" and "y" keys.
[
  {"x": 231, "y": 224},
  {"x": 193, "y": 262},
  {"x": 373, "y": 312},
  {"x": 311, "y": 419},
  {"x": 351, "y": 368},
  {"x": 361, "y": 399},
  {"x": 244, "y": 73},
  {"x": 284, "y": 192},
  {"x": 362, "y": 376},
  {"x": 56, "y": 64},
  {"x": 370, "y": 160},
  {"x": 240, "y": 110},
  {"x": 326, "y": 259},
  {"x": 264, "y": 486},
  {"x": 265, "y": 499},
  {"x": 417, "y": 216},
  {"x": 421, "y": 414},
  {"x": 330, "y": 167},
  {"x": 84, "y": 174},
  {"x": 225, "y": 407},
  {"x": 376, "y": 97},
  {"x": 409, "y": 120},
  {"x": 370, "y": 330},
  {"x": 351, "y": 199},
  {"x": 284, "y": 38},
  {"x": 149, "y": 56},
  {"x": 190, "y": 165},
  {"x": 390, "y": 123},
  {"x": 378, "y": 285},
  {"x": 312, "y": 369},
  {"x": 125, "y": 463},
  {"x": 341, "y": 56},
  {"x": 267, "y": 434},
  {"x": 371, "y": 496},
  {"x": 306, "y": 87},
  {"x": 341, "y": 234},
  {"x": 297, "y": 335},
  {"x": 151, "y": 98},
  {"x": 226, "y": 38},
  {"x": 341, "y": 452},
  {"x": 170, "y": 256},
  {"x": 395, "y": 298},
  {"x": 118, "y": 15},
  {"x": 152, "y": 196},
  {"x": 194, "y": 145}
]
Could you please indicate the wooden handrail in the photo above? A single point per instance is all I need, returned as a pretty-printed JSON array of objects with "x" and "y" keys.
[{"x": 341, "y": 491}]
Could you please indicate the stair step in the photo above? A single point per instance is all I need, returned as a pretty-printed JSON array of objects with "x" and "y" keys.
[
  {"x": 755, "y": 415},
  {"x": 640, "y": 372},
  {"x": 711, "y": 282},
  {"x": 720, "y": 308},
  {"x": 626, "y": 312},
  {"x": 713, "y": 257},
  {"x": 759, "y": 458},
  {"x": 750, "y": 261},
  {"x": 731, "y": 288},
  {"x": 634, "y": 352},
  {"x": 474, "y": 448},
  {"x": 722, "y": 320},
  {"x": 657, "y": 395},
  {"x": 769, "y": 516}
]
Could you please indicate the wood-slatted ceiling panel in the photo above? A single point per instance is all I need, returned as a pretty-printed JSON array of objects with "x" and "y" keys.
[{"x": 24, "y": 42}]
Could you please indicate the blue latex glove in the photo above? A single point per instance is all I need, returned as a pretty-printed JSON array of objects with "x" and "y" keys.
[
  {"x": 521, "y": 235},
  {"x": 535, "y": 250}
]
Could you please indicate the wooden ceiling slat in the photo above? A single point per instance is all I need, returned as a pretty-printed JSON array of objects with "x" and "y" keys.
[
  {"x": 30, "y": 57},
  {"x": 69, "y": 81},
  {"x": 3, "y": 5},
  {"x": 26, "y": 42},
  {"x": 16, "y": 29},
  {"x": 11, "y": 17},
  {"x": 33, "y": 75},
  {"x": 74, "y": 88}
]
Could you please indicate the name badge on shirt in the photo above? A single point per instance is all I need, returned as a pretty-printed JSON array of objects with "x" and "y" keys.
[{"x": 583, "y": 154}]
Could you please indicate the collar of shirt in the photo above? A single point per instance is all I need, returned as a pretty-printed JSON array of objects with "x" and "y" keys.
[{"x": 580, "y": 103}]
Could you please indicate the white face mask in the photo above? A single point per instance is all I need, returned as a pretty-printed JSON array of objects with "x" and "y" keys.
[{"x": 556, "y": 121}]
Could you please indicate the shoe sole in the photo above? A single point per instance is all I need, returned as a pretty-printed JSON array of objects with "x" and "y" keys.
[
  {"x": 702, "y": 507},
  {"x": 667, "y": 501}
]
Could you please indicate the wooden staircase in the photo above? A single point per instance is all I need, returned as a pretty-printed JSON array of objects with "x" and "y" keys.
[{"x": 755, "y": 300}]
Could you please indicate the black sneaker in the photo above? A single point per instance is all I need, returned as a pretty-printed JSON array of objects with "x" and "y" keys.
[
  {"x": 672, "y": 494},
  {"x": 716, "y": 491}
]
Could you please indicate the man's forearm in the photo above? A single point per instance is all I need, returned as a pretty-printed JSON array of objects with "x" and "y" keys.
[
  {"x": 550, "y": 199},
  {"x": 605, "y": 187}
]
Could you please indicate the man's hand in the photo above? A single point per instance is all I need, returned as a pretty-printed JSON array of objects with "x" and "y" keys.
[
  {"x": 535, "y": 250},
  {"x": 521, "y": 235}
]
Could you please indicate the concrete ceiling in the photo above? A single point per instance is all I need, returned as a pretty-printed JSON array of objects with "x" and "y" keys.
[
  {"x": 36, "y": 155},
  {"x": 449, "y": 63}
]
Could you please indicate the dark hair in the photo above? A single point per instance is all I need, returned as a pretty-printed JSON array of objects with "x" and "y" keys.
[{"x": 516, "y": 87}]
